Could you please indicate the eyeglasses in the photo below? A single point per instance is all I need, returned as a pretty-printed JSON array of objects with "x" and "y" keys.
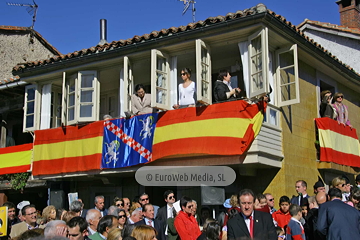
[
  {"x": 340, "y": 96},
  {"x": 271, "y": 199},
  {"x": 342, "y": 185},
  {"x": 122, "y": 216},
  {"x": 183, "y": 74},
  {"x": 120, "y": 205},
  {"x": 73, "y": 235},
  {"x": 171, "y": 197},
  {"x": 190, "y": 206},
  {"x": 29, "y": 214},
  {"x": 144, "y": 199}
]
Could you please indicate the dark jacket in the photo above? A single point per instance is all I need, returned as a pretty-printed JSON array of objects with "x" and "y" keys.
[{"x": 220, "y": 90}]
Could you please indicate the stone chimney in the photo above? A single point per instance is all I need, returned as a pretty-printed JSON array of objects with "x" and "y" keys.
[{"x": 349, "y": 13}]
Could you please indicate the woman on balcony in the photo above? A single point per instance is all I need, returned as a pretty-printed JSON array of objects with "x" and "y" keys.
[
  {"x": 187, "y": 91},
  {"x": 326, "y": 109},
  {"x": 222, "y": 90},
  {"x": 341, "y": 109}
]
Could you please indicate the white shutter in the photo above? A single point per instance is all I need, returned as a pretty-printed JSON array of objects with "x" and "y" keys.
[
  {"x": 160, "y": 80},
  {"x": 88, "y": 96},
  {"x": 31, "y": 108},
  {"x": 203, "y": 72},
  {"x": 128, "y": 84}
]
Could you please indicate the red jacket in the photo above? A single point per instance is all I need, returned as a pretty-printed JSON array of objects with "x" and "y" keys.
[
  {"x": 186, "y": 226},
  {"x": 281, "y": 218}
]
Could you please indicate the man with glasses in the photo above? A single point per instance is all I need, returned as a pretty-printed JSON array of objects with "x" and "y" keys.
[
  {"x": 77, "y": 229},
  {"x": 185, "y": 223},
  {"x": 141, "y": 101},
  {"x": 144, "y": 199},
  {"x": 270, "y": 202},
  {"x": 166, "y": 211},
  {"x": 127, "y": 205},
  {"x": 29, "y": 214}
]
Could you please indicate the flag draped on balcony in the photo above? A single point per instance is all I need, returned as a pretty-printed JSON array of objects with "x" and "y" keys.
[
  {"x": 338, "y": 143},
  {"x": 128, "y": 142},
  {"x": 68, "y": 150},
  {"x": 16, "y": 159}
]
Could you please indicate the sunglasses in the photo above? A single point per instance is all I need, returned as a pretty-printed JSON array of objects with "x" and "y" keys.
[
  {"x": 183, "y": 74},
  {"x": 122, "y": 216},
  {"x": 190, "y": 206},
  {"x": 73, "y": 235},
  {"x": 271, "y": 199},
  {"x": 144, "y": 199},
  {"x": 120, "y": 205},
  {"x": 340, "y": 96},
  {"x": 171, "y": 197}
]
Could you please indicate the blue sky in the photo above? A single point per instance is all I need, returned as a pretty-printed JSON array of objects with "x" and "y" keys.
[{"x": 71, "y": 25}]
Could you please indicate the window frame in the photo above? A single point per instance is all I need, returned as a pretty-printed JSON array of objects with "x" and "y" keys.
[
  {"x": 154, "y": 57},
  {"x": 280, "y": 102},
  {"x": 36, "y": 114},
  {"x": 199, "y": 45},
  {"x": 53, "y": 118},
  {"x": 263, "y": 34},
  {"x": 128, "y": 84}
]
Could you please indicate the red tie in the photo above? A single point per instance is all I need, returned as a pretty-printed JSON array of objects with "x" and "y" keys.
[
  {"x": 149, "y": 223},
  {"x": 251, "y": 227}
]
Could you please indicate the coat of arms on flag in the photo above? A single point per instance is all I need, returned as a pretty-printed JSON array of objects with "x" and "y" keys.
[{"x": 128, "y": 142}]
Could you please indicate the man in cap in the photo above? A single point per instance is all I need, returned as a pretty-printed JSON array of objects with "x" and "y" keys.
[
  {"x": 20, "y": 207},
  {"x": 319, "y": 186}
]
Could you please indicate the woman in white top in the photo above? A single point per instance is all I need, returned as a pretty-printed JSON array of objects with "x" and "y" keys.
[{"x": 187, "y": 91}]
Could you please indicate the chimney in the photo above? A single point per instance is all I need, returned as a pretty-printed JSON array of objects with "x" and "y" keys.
[
  {"x": 103, "y": 32},
  {"x": 349, "y": 13}
]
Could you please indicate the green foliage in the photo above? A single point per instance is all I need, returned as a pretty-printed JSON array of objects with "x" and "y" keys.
[{"x": 17, "y": 180}]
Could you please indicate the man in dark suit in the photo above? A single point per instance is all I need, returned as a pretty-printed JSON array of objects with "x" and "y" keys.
[
  {"x": 166, "y": 211},
  {"x": 338, "y": 220},
  {"x": 301, "y": 187},
  {"x": 99, "y": 205},
  {"x": 222, "y": 90},
  {"x": 250, "y": 224},
  {"x": 148, "y": 212}
]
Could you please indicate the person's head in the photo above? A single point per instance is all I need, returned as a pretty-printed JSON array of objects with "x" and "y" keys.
[
  {"x": 69, "y": 215},
  {"x": 194, "y": 208},
  {"x": 321, "y": 197},
  {"x": 284, "y": 204},
  {"x": 212, "y": 231},
  {"x": 148, "y": 211},
  {"x": 29, "y": 214},
  {"x": 262, "y": 200},
  {"x": 118, "y": 202},
  {"x": 107, "y": 117},
  {"x": 77, "y": 228},
  {"x": 11, "y": 210},
  {"x": 140, "y": 90},
  {"x": 326, "y": 93},
  {"x": 127, "y": 204},
  {"x": 169, "y": 197},
  {"x": 93, "y": 217},
  {"x": 36, "y": 233},
  {"x": 234, "y": 201},
  {"x": 55, "y": 228},
  {"x": 144, "y": 199},
  {"x": 136, "y": 215},
  {"x": 304, "y": 206},
  {"x": 59, "y": 213},
  {"x": 357, "y": 181},
  {"x": 76, "y": 206},
  {"x": 99, "y": 202},
  {"x": 186, "y": 204},
  {"x": 335, "y": 193},
  {"x": 49, "y": 213},
  {"x": 107, "y": 223},
  {"x": 270, "y": 200},
  {"x": 319, "y": 186},
  {"x": 204, "y": 213},
  {"x": 185, "y": 73},
  {"x": 312, "y": 202},
  {"x": 339, "y": 183},
  {"x": 301, "y": 187},
  {"x": 338, "y": 97},
  {"x": 144, "y": 232},
  {"x": 246, "y": 200},
  {"x": 355, "y": 196},
  {"x": 295, "y": 211},
  {"x": 127, "y": 231},
  {"x": 113, "y": 210},
  {"x": 224, "y": 75},
  {"x": 114, "y": 234},
  {"x": 347, "y": 187},
  {"x": 122, "y": 217}
]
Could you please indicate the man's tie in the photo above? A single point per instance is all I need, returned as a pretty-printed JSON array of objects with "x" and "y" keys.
[
  {"x": 149, "y": 223},
  {"x": 251, "y": 226}
]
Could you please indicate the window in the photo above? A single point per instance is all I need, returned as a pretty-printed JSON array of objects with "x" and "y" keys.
[
  {"x": 271, "y": 116},
  {"x": 56, "y": 96},
  {"x": 160, "y": 80},
  {"x": 109, "y": 104},
  {"x": 81, "y": 97},
  {"x": 287, "y": 76},
  {"x": 258, "y": 59},
  {"x": 31, "y": 109},
  {"x": 128, "y": 84},
  {"x": 203, "y": 73}
]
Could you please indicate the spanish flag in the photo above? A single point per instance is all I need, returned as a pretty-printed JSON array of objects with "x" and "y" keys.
[
  {"x": 16, "y": 159},
  {"x": 220, "y": 129},
  {"x": 68, "y": 150},
  {"x": 338, "y": 143}
]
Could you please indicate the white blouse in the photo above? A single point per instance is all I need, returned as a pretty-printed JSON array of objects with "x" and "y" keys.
[{"x": 186, "y": 95}]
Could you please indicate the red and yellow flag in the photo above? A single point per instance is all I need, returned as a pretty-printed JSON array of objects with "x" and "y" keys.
[
  {"x": 338, "y": 143},
  {"x": 219, "y": 129},
  {"x": 68, "y": 150},
  {"x": 16, "y": 159}
]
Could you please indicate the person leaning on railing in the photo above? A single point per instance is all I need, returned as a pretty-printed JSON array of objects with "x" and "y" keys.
[{"x": 326, "y": 109}]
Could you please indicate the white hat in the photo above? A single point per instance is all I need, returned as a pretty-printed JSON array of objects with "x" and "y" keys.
[{"x": 22, "y": 204}]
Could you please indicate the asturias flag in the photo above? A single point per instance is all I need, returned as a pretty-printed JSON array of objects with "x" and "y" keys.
[{"x": 128, "y": 142}]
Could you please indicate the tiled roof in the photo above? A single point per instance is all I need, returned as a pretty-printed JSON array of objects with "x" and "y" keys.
[
  {"x": 36, "y": 34},
  {"x": 330, "y": 26},
  {"x": 260, "y": 8},
  {"x": 9, "y": 80}
]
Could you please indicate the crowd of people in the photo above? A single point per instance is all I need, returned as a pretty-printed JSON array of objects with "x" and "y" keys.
[{"x": 332, "y": 214}]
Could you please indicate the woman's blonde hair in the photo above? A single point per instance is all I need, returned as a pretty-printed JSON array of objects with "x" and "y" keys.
[
  {"x": 114, "y": 234},
  {"x": 336, "y": 181},
  {"x": 144, "y": 232},
  {"x": 234, "y": 201},
  {"x": 46, "y": 213}
]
